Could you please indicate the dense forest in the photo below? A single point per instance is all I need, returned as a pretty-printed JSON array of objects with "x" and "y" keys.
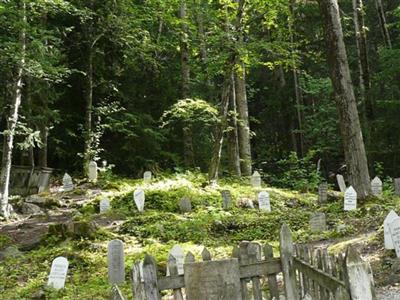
[{"x": 226, "y": 87}]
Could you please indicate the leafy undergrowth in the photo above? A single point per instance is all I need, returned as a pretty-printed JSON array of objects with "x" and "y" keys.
[{"x": 162, "y": 225}]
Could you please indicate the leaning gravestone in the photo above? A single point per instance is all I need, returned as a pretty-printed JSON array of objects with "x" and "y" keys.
[
  {"x": 394, "y": 228},
  {"x": 147, "y": 176},
  {"x": 138, "y": 196},
  {"x": 256, "y": 180},
  {"x": 350, "y": 199},
  {"x": 104, "y": 205},
  {"x": 226, "y": 199},
  {"x": 388, "y": 238},
  {"x": 68, "y": 185},
  {"x": 116, "y": 264},
  {"x": 376, "y": 186},
  {"x": 185, "y": 205},
  {"x": 397, "y": 186},
  {"x": 264, "y": 202},
  {"x": 179, "y": 255},
  {"x": 318, "y": 222},
  {"x": 213, "y": 280},
  {"x": 93, "y": 171},
  {"x": 341, "y": 183},
  {"x": 58, "y": 273},
  {"x": 323, "y": 192}
]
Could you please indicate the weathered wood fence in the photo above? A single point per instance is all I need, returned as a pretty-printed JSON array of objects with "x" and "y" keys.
[
  {"x": 254, "y": 273},
  {"x": 25, "y": 180}
]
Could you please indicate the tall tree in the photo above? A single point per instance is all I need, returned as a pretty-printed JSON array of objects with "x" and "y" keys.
[
  {"x": 383, "y": 24},
  {"x": 352, "y": 137}
]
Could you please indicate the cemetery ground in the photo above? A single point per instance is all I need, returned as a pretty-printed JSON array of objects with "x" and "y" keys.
[{"x": 29, "y": 245}]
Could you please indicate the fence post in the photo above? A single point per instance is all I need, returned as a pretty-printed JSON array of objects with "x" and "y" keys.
[
  {"x": 137, "y": 282},
  {"x": 289, "y": 273},
  {"x": 272, "y": 282},
  {"x": 254, "y": 252},
  {"x": 358, "y": 276},
  {"x": 150, "y": 278},
  {"x": 173, "y": 271}
]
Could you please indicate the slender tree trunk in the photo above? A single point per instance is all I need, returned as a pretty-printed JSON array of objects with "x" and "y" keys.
[
  {"x": 11, "y": 126},
  {"x": 383, "y": 24},
  {"x": 89, "y": 109},
  {"x": 42, "y": 158},
  {"x": 233, "y": 142},
  {"x": 353, "y": 143}
]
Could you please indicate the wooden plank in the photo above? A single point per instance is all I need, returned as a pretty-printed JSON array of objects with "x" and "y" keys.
[
  {"x": 254, "y": 251},
  {"x": 323, "y": 292},
  {"x": 244, "y": 259},
  {"x": 320, "y": 277},
  {"x": 150, "y": 278},
  {"x": 289, "y": 275},
  {"x": 305, "y": 257},
  {"x": 173, "y": 270},
  {"x": 189, "y": 258},
  {"x": 206, "y": 255},
  {"x": 171, "y": 282},
  {"x": 272, "y": 282},
  {"x": 301, "y": 277},
  {"x": 137, "y": 283},
  {"x": 360, "y": 281},
  {"x": 341, "y": 294}
]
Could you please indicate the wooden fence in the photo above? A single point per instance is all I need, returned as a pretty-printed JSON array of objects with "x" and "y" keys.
[{"x": 254, "y": 273}]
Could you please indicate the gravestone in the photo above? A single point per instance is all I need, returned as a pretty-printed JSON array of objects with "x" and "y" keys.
[
  {"x": 147, "y": 176},
  {"x": 256, "y": 180},
  {"x": 179, "y": 255},
  {"x": 58, "y": 273},
  {"x": 185, "y": 205},
  {"x": 226, "y": 199},
  {"x": 394, "y": 228},
  {"x": 264, "y": 202},
  {"x": 318, "y": 222},
  {"x": 397, "y": 186},
  {"x": 388, "y": 238},
  {"x": 104, "y": 205},
  {"x": 323, "y": 192},
  {"x": 93, "y": 171},
  {"x": 376, "y": 186},
  {"x": 138, "y": 196},
  {"x": 115, "y": 260},
  {"x": 212, "y": 280},
  {"x": 341, "y": 183},
  {"x": 350, "y": 199},
  {"x": 68, "y": 185}
]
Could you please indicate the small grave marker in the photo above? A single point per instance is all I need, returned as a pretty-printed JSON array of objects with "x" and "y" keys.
[
  {"x": 116, "y": 264},
  {"x": 388, "y": 238},
  {"x": 226, "y": 199},
  {"x": 147, "y": 176},
  {"x": 68, "y": 185},
  {"x": 93, "y": 171},
  {"x": 58, "y": 273},
  {"x": 256, "y": 180},
  {"x": 104, "y": 205},
  {"x": 318, "y": 222},
  {"x": 397, "y": 186},
  {"x": 179, "y": 255},
  {"x": 185, "y": 205},
  {"x": 341, "y": 183},
  {"x": 138, "y": 196},
  {"x": 323, "y": 192},
  {"x": 350, "y": 199},
  {"x": 394, "y": 227},
  {"x": 376, "y": 186},
  {"x": 264, "y": 202}
]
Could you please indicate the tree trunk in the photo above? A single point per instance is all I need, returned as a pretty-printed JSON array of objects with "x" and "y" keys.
[
  {"x": 11, "y": 126},
  {"x": 233, "y": 142},
  {"x": 382, "y": 23},
  {"x": 89, "y": 109},
  {"x": 42, "y": 158},
  {"x": 353, "y": 143}
]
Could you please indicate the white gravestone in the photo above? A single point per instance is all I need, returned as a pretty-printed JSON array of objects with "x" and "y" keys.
[
  {"x": 58, "y": 273},
  {"x": 104, "y": 205},
  {"x": 147, "y": 176},
  {"x": 397, "y": 186},
  {"x": 341, "y": 183},
  {"x": 350, "y": 199},
  {"x": 264, "y": 202},
  {"x": 376, "y": 186},
  {"x": 394, "y": 228},
  {"x": 138, "y": 196},
  {"x": 256, "y": 180},
  {"x": 115, "y": 260},
  {"x": 92, "y": 171},
  {"x": 179, "y": 255},
  {"x": 68, "y": 185},
  {"x": 388, "y": 238}
]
